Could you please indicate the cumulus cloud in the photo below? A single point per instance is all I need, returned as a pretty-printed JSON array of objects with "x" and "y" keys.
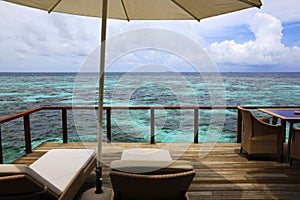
[
  {"x": 287, "y": 10},
  {"x": 266, "y": 49},
  {"x": 31, "y": 38}
]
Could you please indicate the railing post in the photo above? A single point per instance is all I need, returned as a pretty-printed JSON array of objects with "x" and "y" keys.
[
  {"x": 108, "y": 125},
  {"x": 65, "y": 125},
  {"x": 152, "y": 122},
  {"x": 239, "y": 126},
  {"x": 27, "y": 134},
  {"x": 1, "y": 155},
  {"x": 196, "y": 125}
]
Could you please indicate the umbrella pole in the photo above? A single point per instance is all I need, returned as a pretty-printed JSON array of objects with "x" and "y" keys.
[{"x": 100, "y": 99}]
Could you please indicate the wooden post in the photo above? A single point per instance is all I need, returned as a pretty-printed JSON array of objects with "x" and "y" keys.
[
  {"x": 1, "y": 155},
  {"x": 239, "y": 126},
  {"x": 108, "y": 125},
  {"x": 274, "y": 120},
  {"x": 27, "y": 134},
  {"x": 196, "y": 125},
  {"x": 283, "y": 124},
  {"x": 64, "y": 125},
  {"x": 152, "y": 122}
]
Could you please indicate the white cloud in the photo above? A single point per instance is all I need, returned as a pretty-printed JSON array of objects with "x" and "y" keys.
[
  {"x": 285, "y": 11},
  {"x": 30, "y": 37},
  {"x": 266, "y": 49}
]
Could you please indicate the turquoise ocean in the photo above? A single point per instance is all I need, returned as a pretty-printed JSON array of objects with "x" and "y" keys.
[{"x": 22, "y": 91}]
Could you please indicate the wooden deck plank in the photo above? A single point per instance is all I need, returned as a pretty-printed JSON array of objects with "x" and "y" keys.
[{"x": 223, "y": 173}]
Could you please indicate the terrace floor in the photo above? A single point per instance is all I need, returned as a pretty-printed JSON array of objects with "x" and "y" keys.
[{"x": 222, "y": 172}]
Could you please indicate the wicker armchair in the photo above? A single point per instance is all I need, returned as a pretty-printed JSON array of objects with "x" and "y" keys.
[
  {"x": 172, "y": 181},
  {"x": 259, "y": 137},
  {"x": 295, "y": 145},
  {"x": 128, "y": 186}
]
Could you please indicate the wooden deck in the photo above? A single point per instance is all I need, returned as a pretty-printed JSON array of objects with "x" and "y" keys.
[{"x": 222, "y": 174}]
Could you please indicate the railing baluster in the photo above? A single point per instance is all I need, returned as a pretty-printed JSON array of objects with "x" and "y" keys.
[
  {"x": 108, "y": 125},
  {"x": 65, "y": 125},
  {"x": 1, "y": 155},
  {"x": 239, "y": 127},
  {"x": 152, "y": 122},
  {"x": 27, "y": 134},
  {"x": 196, "y": 125}
]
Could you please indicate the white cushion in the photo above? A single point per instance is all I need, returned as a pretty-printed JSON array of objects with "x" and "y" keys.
[
  {"x": 60, "y": 166},
  {"x": 146, "y": 154}
]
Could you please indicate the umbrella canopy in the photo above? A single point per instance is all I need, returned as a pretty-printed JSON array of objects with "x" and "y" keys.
[
  {"x": 136, "y": 10},
  {"x": 143, "y": 9}
]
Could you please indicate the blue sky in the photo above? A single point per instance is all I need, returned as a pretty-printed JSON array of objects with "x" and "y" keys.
[{"x": 266, "y": 39}]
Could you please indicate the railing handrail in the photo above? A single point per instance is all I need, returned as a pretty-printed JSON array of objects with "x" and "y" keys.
[
  {"x": 26, "y": 119},
  {"x": 33, "y": 110},
  {"x": 18, "y": 115}
]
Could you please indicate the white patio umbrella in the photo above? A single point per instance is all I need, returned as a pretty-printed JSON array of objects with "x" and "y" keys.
[{"x": 135, "y": 10}]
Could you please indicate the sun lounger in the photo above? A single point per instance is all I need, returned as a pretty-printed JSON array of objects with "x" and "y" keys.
[
  {"x": 58, "y": 174},
  {"x": 159, "y": 180}
]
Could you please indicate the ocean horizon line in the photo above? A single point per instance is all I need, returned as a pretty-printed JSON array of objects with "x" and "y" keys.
[{"x": 163, "y": 72}]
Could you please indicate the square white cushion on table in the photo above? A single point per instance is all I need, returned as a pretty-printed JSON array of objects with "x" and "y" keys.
[
  {"x": 146, "y": 154},
  {"x": 60, "y": 166}
]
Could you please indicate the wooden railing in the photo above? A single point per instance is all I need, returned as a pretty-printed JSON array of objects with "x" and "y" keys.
[{"x": 27, "y": 131}]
